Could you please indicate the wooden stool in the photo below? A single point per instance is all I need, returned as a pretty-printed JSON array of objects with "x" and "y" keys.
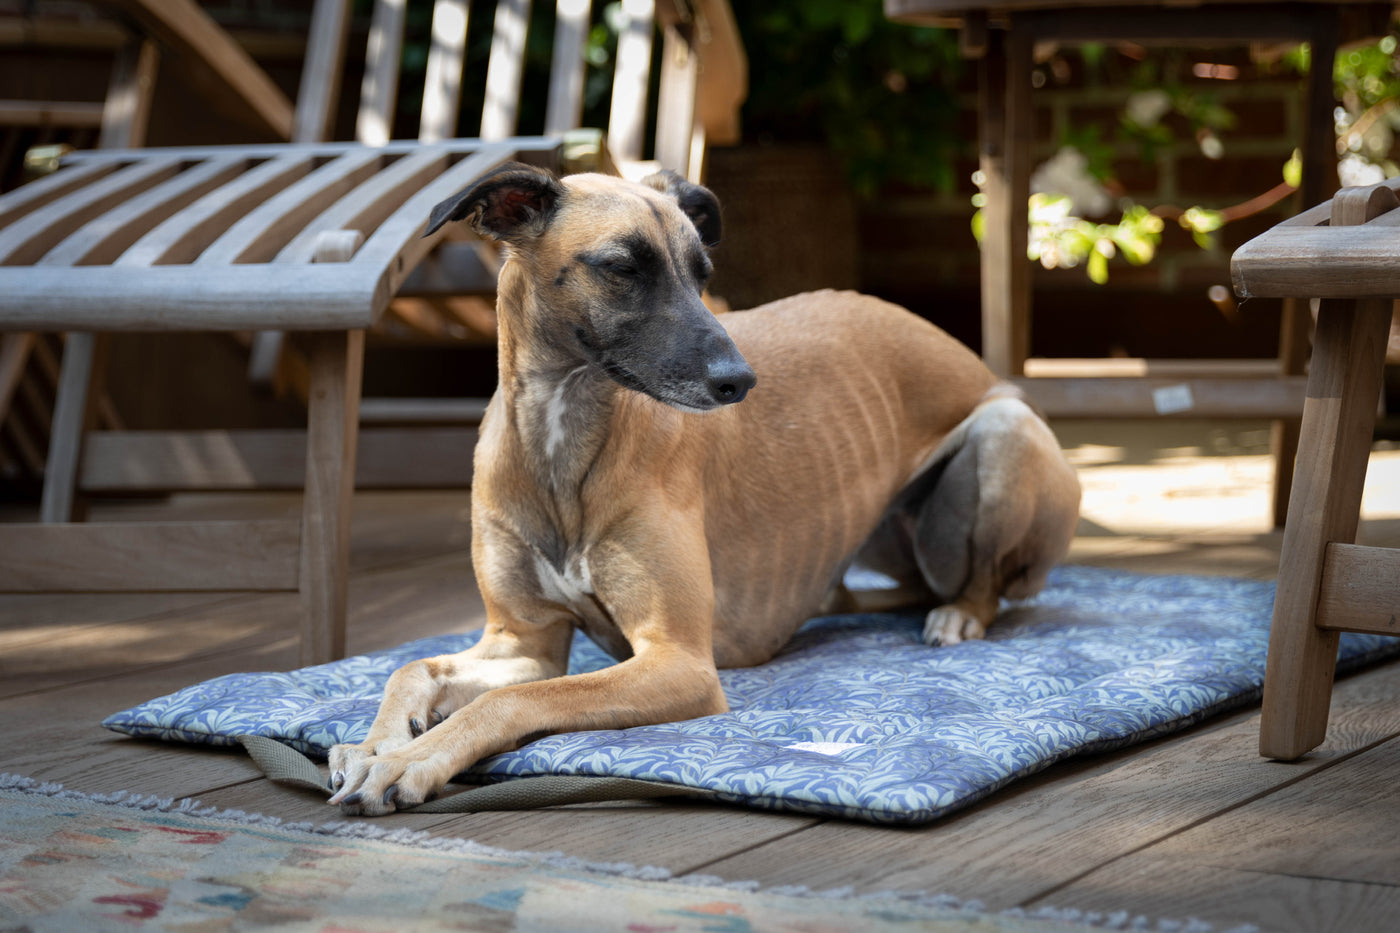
[{"x": 1347, "y": 253}]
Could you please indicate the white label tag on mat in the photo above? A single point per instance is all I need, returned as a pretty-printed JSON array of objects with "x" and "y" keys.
[
  {"x": 824, "y": 748},
  {"x": 1169, "y": 400}
]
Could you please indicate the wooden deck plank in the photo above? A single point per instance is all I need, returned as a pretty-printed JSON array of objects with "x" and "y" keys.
[
  {"x": 1285, "y": 833},
  {"x": 149, "y": 556},
  {"x": 1296, "y": 860},
  {"x": 395, "y": 458},
  {"x": 1007, "y": 851},
  {"x": 1230, "y": 897},
  {"x": 676, "y": 836}
]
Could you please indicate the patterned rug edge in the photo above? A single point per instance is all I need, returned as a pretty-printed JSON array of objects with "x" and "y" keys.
[{"x": 418, "y": 839}]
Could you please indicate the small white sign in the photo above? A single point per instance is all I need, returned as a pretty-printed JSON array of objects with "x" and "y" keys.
[
  {"x": 1169, "y": 400},
  {"x": 823, "y": 748}
]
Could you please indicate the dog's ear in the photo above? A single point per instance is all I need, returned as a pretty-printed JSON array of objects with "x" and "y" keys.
[
  {"x": 515, "y": 201},
  {"x": 698, "y": 203}
]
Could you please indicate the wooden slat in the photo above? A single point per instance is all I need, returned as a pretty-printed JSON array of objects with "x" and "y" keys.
[
  {"x": 34, "y": 235},
  {"x": 442, "y": 85},
  {"x": 280, "y": 150},
  {"x": 454, "y": 268},
  {"x": 182, "y": 237},
  {"x": 127, "y": 111},
  {"x": 564, "y": 110},
  {"x": 182, "y": 25},
  {"x": 397, "y": 245},
  {"x": 675, "y": 108},
  {"x": 1129, "y": 397},
  {"x": 422, "y": 411},
  {"x": 369, "y": 204},
  {"x": 50, "y": 113},
  {"x": 14, "y": 353},
  {"x": 153, "y": 556},
  {"x": 1066, "y": 367},
  {"x": 628, "y": 112},
  {"x": 1319, "y": 262},
  {"x": 261, "y": 233},
  {"x": 43, "y": 191},
  {"x": 320, "y": 75},
  {"x": 29, "y": 449},
  {"x": 379, "y": 89},
  {"x": 504, "y": 70},
  {"x": 1360, "y": 589},
  {"x": 724, "y": 74},
  {"x": 104, "y": 238},
  {"x": 191, "y": 297},
  {"x": 388, "y": 458},
  {"x": 1166, "y": 26}
]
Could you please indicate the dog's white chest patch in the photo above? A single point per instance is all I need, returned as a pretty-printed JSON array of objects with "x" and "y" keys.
[
  {"x": 573, "y": 586},
  {"x": 555, "y": 409}
]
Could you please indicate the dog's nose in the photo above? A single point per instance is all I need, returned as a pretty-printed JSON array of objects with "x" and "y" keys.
[{"x": 730, "y": 380}]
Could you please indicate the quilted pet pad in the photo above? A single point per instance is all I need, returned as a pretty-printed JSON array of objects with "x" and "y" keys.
[{"x": 856, "y": 717}]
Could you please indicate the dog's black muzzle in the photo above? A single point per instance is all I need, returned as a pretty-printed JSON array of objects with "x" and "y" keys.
[{"x": 729, "y": 377}]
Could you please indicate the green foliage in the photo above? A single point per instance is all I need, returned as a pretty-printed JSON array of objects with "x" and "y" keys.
[
  {"x": 838, "y": 72},
  {"x": 1058, "y": 239}
]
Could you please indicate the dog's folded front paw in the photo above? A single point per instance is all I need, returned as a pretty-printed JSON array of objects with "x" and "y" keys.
[
  {"x": 948, "y": 625},
  {"x": 379, "y": 784}
]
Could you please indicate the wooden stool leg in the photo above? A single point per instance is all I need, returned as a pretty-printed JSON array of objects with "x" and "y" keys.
[
  {"x": 1318, "y": 184},
  {"x": 1335, "y": 443},
  {"x": 336, "y": 361}
]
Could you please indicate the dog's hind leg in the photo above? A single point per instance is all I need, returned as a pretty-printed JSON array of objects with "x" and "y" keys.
[{"x": 998, "y": 517}]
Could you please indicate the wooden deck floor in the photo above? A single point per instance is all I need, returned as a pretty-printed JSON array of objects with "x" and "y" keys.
[{"x": 1191, "y": 825}]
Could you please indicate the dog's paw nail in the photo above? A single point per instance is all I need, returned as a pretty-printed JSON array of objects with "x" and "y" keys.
[
  {"x": 354, "y": 800},
  {"x": 338, "y": 780},
  {"x": 437, "y": 718},
  {"x": 391, "y": 794},
  {"x": 415, "y": 727}
]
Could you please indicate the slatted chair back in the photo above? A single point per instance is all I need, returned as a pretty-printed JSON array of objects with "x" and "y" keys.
[{"x": 681, "y": 123}]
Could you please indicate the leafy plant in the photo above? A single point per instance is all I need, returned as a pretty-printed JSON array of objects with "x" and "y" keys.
[{"x": 881, "y": 95}]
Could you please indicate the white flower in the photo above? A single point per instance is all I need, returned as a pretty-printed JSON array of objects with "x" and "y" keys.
[
  {"x": 1355, "y": 171},
  {"x": 1066, "y": 173},
  {"x": 1145, "y": 108}
]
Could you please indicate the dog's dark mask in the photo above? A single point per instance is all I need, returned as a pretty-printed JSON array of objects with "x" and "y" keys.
[{"x": 628, "y": 279}]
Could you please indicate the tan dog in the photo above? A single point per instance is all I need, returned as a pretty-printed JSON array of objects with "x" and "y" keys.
[{"x": 620, "y": 489}]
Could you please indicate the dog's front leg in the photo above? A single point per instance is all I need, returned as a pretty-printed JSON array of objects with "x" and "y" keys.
[
  {"x": 659, "y": 590},
  {"x": 422, "y": 694}
]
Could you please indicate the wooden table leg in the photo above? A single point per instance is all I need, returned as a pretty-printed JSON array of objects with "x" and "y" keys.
[
  {"x": 1335, "y": 443},
  {"x": 1005, "y": 157},
  {"x": 336, "y": 361},
  {"x": 1319, "y": 183},
  {"x": 79, "y": 384}
]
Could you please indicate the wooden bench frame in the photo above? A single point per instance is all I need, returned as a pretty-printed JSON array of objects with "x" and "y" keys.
[
  {"x": 309, "y": 238},
  {"x": 1347, "y": 253}
]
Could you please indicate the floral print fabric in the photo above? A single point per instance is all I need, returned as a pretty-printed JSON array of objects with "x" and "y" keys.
[{"x": 856, "y": 717}]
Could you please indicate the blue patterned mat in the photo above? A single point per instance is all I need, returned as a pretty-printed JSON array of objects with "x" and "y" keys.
[{"x": 856, "y": 717}]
